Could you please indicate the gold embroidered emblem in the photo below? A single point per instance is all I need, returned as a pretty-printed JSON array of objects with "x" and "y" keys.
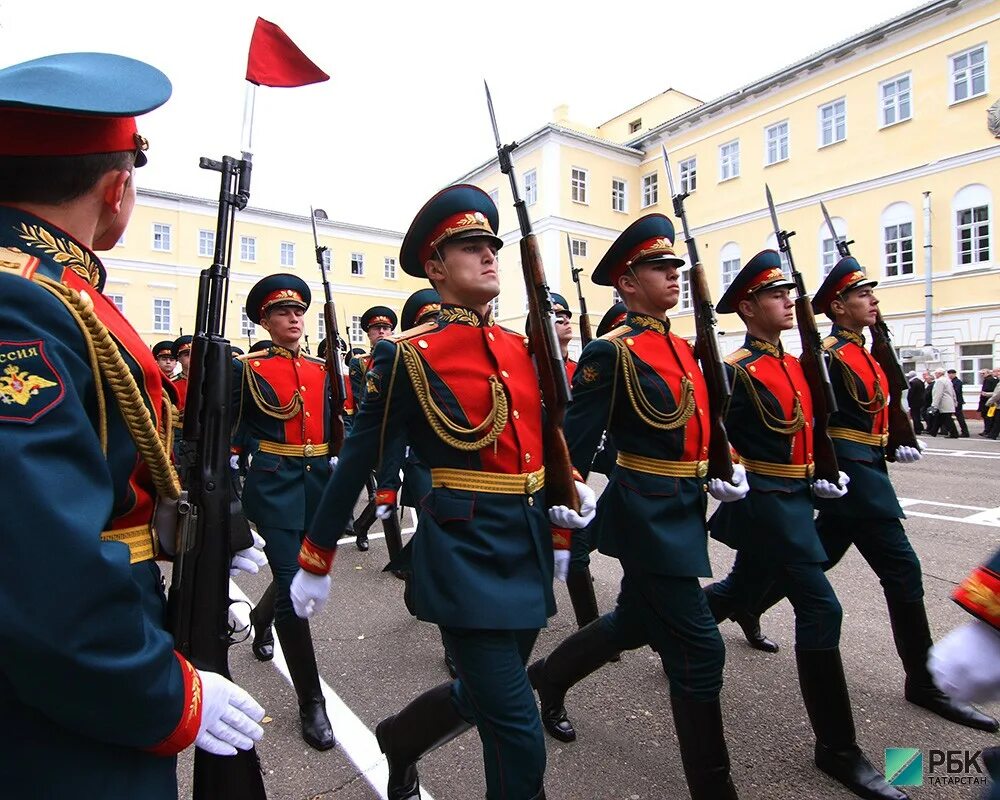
[
  {"x": 19, "y": 387},
  {"x": 589, "y": 374},
  {"x": 646, "y": 321},
  {"x": 64, "y": 252},
  {"x": 373, "y": 383},
  {"x": 464, "y": 316}
]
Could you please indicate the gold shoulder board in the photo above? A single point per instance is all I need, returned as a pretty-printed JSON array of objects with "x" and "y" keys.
[
  {"x": 616, "y": 332},
  {"x": 256, "y": 354},
  {"x": 420, "y": 330},
  {"x": 737, "y": 356},
  {"x": 829, "y": 342}
]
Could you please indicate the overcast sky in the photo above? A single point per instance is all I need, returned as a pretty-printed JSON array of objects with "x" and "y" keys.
[{"x": 404, "y": 112}]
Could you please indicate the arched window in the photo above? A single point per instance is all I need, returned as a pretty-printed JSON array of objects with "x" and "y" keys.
[
  {"x": 896, "y": 230},
  {"x": 772, "y": 244},
  {"x": 730, "y": 263},
  {"x": 971, "y": 215},
  {"x": 828, "y": 247}
]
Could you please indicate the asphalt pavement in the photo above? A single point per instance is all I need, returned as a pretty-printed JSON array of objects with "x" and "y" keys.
[{"x": 375, "y": 657}]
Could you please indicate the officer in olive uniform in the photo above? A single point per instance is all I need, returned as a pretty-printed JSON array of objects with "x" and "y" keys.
[
  {"x": 281, "y": 411},
  {"x": 96, "y": 702},
  {"x": 642, "y": 385},
  {"x": 869, "y": 517},
  {"x": 163, "y": 352},
  {"x": 770, "y": 425},
  {"x": 464, "y": 393}
]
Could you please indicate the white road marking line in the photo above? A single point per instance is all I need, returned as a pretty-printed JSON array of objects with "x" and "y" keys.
[
  {"x": 933, "y": 451},
  {"x": 990, "y": 517},
  {"x": 353, "y": 738}
]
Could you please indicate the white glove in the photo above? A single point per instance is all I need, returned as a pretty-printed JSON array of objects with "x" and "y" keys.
[
  {"x": 234, "y": 462},
  {"x": 907, "y": 455},
  {"x": 384, "y": 511},
  {"x": 309, "y": 593},
  {"x": 730, "y": 491},
  {"x": 250, "y": 559},
  {"x": 229, "y": 717},
  {"x": 965, "y": 664},
  {"x": 563, "y": 517},
  {"x": 334, "y": 460},
  {"x": 832, "y": 491},
  {"x": 561, "y": 563}
]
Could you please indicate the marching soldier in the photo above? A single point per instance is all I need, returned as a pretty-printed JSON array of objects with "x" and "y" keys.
[
  {"x": 869, "y": 516},
  {"x": 464, "y": 392},
  {"x": 281, "y": 412},
  {"x": 769, "y": 421},
  {"x": 97, "y": 703},
  {"x": 163, "y": 352},
  {"x": 182, "y": 355},
  {"x": 641, "y": 384}
]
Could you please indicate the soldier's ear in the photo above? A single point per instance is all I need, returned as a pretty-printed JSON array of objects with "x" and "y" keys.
[
  {"x": 113, "y": 186},
  {"x": 434, "y": 270},
  {"x": 746, "y": 308}
]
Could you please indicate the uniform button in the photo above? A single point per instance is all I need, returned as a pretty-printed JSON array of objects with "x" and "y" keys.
[
  {"x": 527, "y": 458},
  {"x": 516, "y": 414},
  {"x": 525, "y": 341},
  {"x": 422, "y": 344},
  {"x": 630, "y": 341},
  {"x": 490, "y": 336},
  {"x": 256, "y": 363},
  {"x": 309, "y": 441},
  {"x": 505, "y": 373},
  {"x": 798, "y": 392},
  {"x": 753, "y": 368},
  {"x": 701, "y": 411},
  {"x": 308, "y": 467},
  {"x": 308, "y": 414},
  {"x": 302, "y": 388},
  {"x": 298, "y": 364},
  {"x": 690, "y": 374},
  {"x": 531, "y": 501}
]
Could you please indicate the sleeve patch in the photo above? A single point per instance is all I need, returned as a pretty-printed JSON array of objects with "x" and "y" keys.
[
  {"x": 29, "y": 384},
  {"x": 589, "y": 374}
]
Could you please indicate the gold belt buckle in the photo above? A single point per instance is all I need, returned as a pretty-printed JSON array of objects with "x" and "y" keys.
[
  {"x": 702, "y": 469},
  {"x": 884, "y": 439},
  {"x": 810, "y": 470},
  {"x": 531, "y": 483},
  {"x": 307, "y": 450}
]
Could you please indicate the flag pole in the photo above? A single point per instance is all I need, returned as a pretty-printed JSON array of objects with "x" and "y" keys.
[{"x": 249, "y": 101}]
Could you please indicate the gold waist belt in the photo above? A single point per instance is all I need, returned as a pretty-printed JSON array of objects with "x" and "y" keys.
[
  {"x": 140, "y": 541},
  {"x": 773, "y": 470},
  {"x": 659, "y": 466},
  {"x": 299, "y": 450},
  {"x": 493, "y": 482},
  {"x": 851, "y": 435}
]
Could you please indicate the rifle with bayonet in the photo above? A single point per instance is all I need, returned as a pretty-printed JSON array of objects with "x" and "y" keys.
[
  {"x": 900, "y": 427},
  {"x": 813, "y": 361},
  {"x": 586, "y": 333},
  {"x": 208, "y": 515},
  {"x": 706, "y": 345},
  {"x": 337, "y": 391},
  {"x": 560, "y": 488}
]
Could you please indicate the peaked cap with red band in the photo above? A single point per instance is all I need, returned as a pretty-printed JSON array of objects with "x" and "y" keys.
[
  {"x": 457, "y": 212},
  {"x": 648, "y": 239},
  {"x": 76, "y": 104},
  {"x": 378, "y": 315},
  {"x": 612, "y": 318},
  {"x": 280, "y": 289},
  {"x": 763, "y": 271},
  {"x": 181, "y": 345},
  {"x": 418, "y": 305},
  {"x": 847, "y": 274}
]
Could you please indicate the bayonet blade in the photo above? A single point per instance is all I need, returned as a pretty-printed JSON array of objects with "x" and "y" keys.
[
  {"x": 670, "y": 172},
  {"x": 829, "y": 222},
  {"x": 493, "y": 116},
  {"x": 774, "y": 214},
  {"x": 569, "y": 247}
]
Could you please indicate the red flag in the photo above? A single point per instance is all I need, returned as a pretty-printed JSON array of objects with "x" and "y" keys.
[{"x": 275, "y": 60}]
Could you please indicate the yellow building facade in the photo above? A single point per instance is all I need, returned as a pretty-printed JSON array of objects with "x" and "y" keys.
[
  {"x": 154, "y": 269},
  {"x": 888, "y": 128}
]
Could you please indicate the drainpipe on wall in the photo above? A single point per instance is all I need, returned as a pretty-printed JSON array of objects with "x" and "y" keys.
[{"x": 928, "y": 274}]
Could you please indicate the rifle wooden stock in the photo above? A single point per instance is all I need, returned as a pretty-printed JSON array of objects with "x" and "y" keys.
[
  {"x": 335, "y": 371},
  {"x": 706, "y": 347},
  {"x": 900, "y": 427},
  {"x": 586, "y": 332},
  {"x": 560, "y": 487},
  {"x": 818, "y": 378}
]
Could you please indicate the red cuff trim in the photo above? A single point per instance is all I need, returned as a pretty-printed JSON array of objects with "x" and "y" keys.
[
  {"x": 561, "y": 538},
  {"x": 315, "y": 559},
  {"x": 236, "y": 451},
  {"x": 187, "y": 729},
  {"x": 385, "y": 497},
  {"x": 577, "y": 476},
  {"x": 979, "y": 594}
]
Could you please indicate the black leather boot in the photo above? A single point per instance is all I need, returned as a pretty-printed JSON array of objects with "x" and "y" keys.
[
  {"x": 912, "y": 635},
  {"x": 580, "y": 585},
  {"x": 428, "y": 722},
  {"x": 262, "y": 618},
  {"x": 722, "y": 609},
  {"x": 702, "y": 744},
  {"x": 365, "y": 519},
  {"x": 296, "y": 644},
  {"x": 574, "y": 659},
  {"x": 393, "y": 535},
  {"x": 824, "y": 690}
]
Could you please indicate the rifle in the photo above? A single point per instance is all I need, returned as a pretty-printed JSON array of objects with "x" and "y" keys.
[
  {"x": 198, "y": 609},
  {"x": 560, "y": 488},
  {"x": 337, "y": 392},
  {"x": 813, "y": 362},
  {"x": 900, "y": 427},
  {"x": 706, "y": 345},
  {"x": 586, "y": 334}
]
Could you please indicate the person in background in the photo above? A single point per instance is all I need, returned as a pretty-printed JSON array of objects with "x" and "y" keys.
[
  {"x": 957, "y": 384},
  {"x": 915, "y": 400},
  {"x": 942, "y": 406}
]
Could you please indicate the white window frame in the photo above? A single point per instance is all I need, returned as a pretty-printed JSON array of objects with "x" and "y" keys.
[
  {"x": 768, "y": 162},
  {"x": 619, "y": 196},
  {"x": 359, "y": 260},
  {"x": 578, "y": 247},
  {"x": 389, "y": 264},
  {"x": 729, "y": 259},
  {"x": 530, "y": 187},
  {"x": 687, "y": 171},
  {"x": 357, "y": 334},
  {"x": 884, "y": 106},
  {"x": 248, "y": 249},
  {"x": 162, "y": 237},
  {"x": 953, "y": 100},
  {"x": 685, "y": 302},
  {"x": 772, "y": 244},
  {"x": 635, "y": 126},
  {"x": 971, "y": 197},
  {"x": 321, "y": 328},
  {"x": 579, "y": 185},
  {"x": 977, "y": 361},
  {"x": 162, "y": 309},
  {"x": 286, "y": 254},
  {"x": 247, "y": 327},
  {"x": 729, "y": 166},
  {"x": 896, "y": 216},
  {"x": 206, "y": 236},
  {"x": 650, "y": 189},
  {"x": 833, "y": 126},
  {"x": 118, "y": 301},
  {"x": 495, "y": 305},
  {"x": 840, "y": 226}
]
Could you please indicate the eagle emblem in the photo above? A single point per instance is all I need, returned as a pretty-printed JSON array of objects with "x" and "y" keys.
[
  {"x": 19, "y": 387},
  {"x": 29, "y": 386}
]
